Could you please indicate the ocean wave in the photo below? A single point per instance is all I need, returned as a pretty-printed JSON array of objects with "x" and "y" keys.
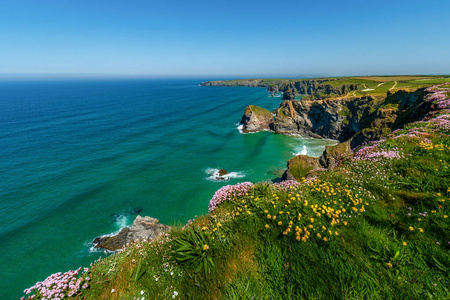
[
  {"x": 303, "y": 151},
  {"x": 121, "y": 221},
  {"x": 213, "y": 175},
  {"x": 240, "y": 127}
]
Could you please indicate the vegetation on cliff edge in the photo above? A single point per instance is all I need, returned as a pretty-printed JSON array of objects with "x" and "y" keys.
[{"x": 375, "y": 227}]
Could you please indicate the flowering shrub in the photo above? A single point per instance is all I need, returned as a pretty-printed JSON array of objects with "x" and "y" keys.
[
  {"x": 369, "y": 152},
  {"x": 228, "y": 192},
  {"x": 59, "y": 285}
]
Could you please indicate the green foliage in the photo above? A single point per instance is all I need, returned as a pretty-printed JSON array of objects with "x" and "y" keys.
[{"x": 193, "y": 247}]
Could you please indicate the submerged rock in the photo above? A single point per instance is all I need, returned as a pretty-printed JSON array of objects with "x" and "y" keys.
[
  {"x": 143, "y": 228},
  {"x": 255, "y": 119}
]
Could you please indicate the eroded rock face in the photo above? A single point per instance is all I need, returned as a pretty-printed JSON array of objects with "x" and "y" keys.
[
  {"x": 337, "y": 119},
  {"x": 288, "y": 95},
  {"x": 143, "y": 228},
  {"x": 256, "y": 119}
]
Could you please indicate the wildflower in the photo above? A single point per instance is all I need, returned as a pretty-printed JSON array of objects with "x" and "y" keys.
[
  {"x": 324, "y": 238},
  {"x": 267, "y": 226},
  {"x": 389, "y": 265},
  {"x": 142, "y": 292},
  {"x": 205, "y": 247},
  {"x": 269, "y": 216},
  {"x": 411, "y": 228},
  {"x": 280, "y": 223},
  {"x": 237, "y": 213},
  {"x": 420, "y": 230},
  {"x": 404, "y": 244},
  {"x": 112, "y": 291}
]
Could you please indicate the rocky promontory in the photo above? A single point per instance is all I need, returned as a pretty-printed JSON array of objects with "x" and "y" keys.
[
  {"x": 256, "y": 119},
  {"x": 143, "y": 228}
]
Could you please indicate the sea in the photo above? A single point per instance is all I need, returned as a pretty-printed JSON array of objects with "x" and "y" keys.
[{"x": 83, "y": 158}]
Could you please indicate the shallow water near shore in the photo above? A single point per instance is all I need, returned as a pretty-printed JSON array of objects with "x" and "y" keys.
[{"x": 82, "y": 158}]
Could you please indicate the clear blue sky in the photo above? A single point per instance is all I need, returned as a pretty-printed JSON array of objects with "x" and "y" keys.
[{"x": 224, "y": 38}]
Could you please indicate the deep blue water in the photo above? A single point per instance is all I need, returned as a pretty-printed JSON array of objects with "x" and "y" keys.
[{"x": 81, "y": 158}]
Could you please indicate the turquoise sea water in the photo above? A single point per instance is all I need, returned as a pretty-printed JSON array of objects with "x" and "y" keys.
[{"x": 82, "y": 158}]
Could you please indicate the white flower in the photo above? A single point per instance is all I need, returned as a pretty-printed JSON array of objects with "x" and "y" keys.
[
  {"x": 142, "y": 292},
  {"x": 171, "y": 273},
  {"x": 112, "y": 291},
  {"x": 156, "y": 279}
]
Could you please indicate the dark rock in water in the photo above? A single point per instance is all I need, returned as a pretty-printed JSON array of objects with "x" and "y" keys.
[
  {"x": 143, "y": 228},
  {"x": 222, "y": 172},
  {"x": 256, "y": 118}
]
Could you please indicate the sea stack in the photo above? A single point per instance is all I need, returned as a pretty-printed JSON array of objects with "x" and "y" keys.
[{"x": 256, "y": 119}]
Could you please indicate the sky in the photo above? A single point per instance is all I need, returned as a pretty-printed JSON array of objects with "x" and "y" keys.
[{"x": 181, "y": 38}]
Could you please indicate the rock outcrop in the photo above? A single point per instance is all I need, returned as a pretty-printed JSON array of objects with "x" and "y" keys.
[
  {"x": 315, "y": 88},
  {"x": 143, "y": 228},
  {"x": 256, "y": 119},
  {"x": 288, "y": 95}
]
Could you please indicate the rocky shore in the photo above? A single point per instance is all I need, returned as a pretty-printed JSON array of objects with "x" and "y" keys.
[{"x": 143, "y": 228}]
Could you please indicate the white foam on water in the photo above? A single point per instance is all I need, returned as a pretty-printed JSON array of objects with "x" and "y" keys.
[
  {"x": 120, "y": 223},
  {"x": 213, "y": 175},
  {"x": 240, "y": 127},
  {"x": 304, "y": 151}
]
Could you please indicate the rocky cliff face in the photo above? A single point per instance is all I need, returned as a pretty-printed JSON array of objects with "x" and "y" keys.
[
  {"x": 337, "y": 119},
  {"x": 391, "y": 113},
  {"x": 256, "y": 119},
  {"x": 314, "y": 88}
]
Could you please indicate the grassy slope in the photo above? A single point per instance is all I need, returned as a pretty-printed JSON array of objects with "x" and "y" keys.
[{"x": 372, "y": 228}]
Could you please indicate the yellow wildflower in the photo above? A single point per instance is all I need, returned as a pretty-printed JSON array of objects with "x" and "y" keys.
[
  {"x": 280, "y": 223},
  {"x": 404, "y": 244},
  {"x": 420, "y": 230},
  {"x": 205, "y": 247},
  {"x": 411, "y": 228}
]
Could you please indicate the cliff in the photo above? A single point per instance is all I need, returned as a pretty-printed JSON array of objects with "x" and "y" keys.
[
  {"x": 315, "y": 88},
  {"x": 373, "y": 226}
]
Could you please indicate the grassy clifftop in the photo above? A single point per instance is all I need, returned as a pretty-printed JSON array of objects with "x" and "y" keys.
[
  {"x": 375, "y": 227},
  {"x": 324, "y": 88}
]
